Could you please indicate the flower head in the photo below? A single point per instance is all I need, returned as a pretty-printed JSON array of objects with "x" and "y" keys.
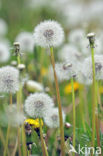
[
  {"x": 26, "y": 41},
  {"x": 76, "y": 36},
  {"x": 38, "y": 104},
  {"x": 63, "y": 73},
  {"x": 14, "y": 117},
  {"x": 4, "y": 52},
  {"x": 34, "y": 123},
  {"x": 87, "y": 68},
  {"x": 9, "y": 79},
  {"x": 48, "y": 33},
  {"x": 3, "y": 27},
  {"x": 52, "y": 119},
  {"x": 69, "y": 53}
]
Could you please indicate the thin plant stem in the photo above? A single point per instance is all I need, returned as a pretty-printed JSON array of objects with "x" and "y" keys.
[
  {"x": 94, "y": 103},
  {"x": 97, "y": 120},
  {"x": 18, "y": 59},
  {"x": 3, "y": 140},
  {"x": 59, "y": 104},
  {"x": 8, "y": 131},
  {"x": 81, "y": 106},
  {"x": 74, "y": 120},
  {"x": 24, "y": 141},
  {"x": 20, "y": 108},
  {"x": 7, "y": 139},
  {"x": 44, "y": 148},
  {"x": 10, "y": 98}
]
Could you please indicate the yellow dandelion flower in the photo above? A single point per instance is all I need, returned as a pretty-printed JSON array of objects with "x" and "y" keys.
[
  {"x": 34, "y": 122},
  {"x": 68, "y": 88},
  {"x": 43, "y": 71}
]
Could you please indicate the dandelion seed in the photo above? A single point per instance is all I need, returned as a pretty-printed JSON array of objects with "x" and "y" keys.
[
  {"x": 52, "y": 118},
  {"x": 38, "y": 104},
  {"x": 26, "y": 41},
  {"x": 9, "y": 79},
  {"x": 48, "y": 33},
  {"x": 4, "y": 52}
]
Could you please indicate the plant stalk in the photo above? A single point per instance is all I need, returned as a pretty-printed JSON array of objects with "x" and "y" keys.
[
  {"x": 59, "y": 104},
  {"x": 74, "y": 120},
  {"x": 44, "y": 148}
]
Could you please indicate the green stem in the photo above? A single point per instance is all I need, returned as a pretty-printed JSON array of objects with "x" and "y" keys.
[
  {"x": 94, "y": 98},
  {"x": 81, "y": 106},
  {"x": 8, "y": 131},
  {"x": 59, "y": 104},
  {"x": 44, "y": 148},
  {"x": 18, "y": 59},
  {"x": 74, "y": 121}
]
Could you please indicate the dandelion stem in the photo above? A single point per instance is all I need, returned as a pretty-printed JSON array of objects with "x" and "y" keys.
[
  {"x": 94, "y": 97},
  {"x": 8, "y": 131},
  {"x": 74, "y": 122},
  {"x": 44, "y": 148},
  {"x": 59, "y": 104},
  {"x": 81, "y": 106},
  {"x": 10, "y": 99}
]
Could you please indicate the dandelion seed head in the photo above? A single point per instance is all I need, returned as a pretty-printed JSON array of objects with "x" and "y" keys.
[
  {"x": 76, "y": 36},
  {"x": 52, "y": 119},
  {"x": 69, "y": 53},
  {"x": 38, "y": 104},
  {"x": 26, "y": 41},
  {"x": 48, "y": 33},
  {"x": 15, "y": 118},
  {"x": 9, "y": 79},
  {"x": 4, "y": 52},
  {"x": 3, "y": 27},
  {"x": 62, "y": 72},
  {"x": 87, "y": 68}
]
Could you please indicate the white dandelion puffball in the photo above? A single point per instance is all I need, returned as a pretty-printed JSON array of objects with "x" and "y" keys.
[
  {"x": 62, "y": 72},
  {"x": 3, "y": 27},
  {"x": 48, "y": 34},
  {"x": 4, "y": 52},
  {"x": 87, "y": 67},
  {"x": 38, "y": 104},
  {"x": 52, "y": 119},
  {"x": 14, "y": 117},
  {"x": 9, "y": 79},
  {"x": 34, "y": 86},
  {"x": 26, "y": 41},
  {"x": 69, "y": 53},
  {"x": 76, "y": 36}
]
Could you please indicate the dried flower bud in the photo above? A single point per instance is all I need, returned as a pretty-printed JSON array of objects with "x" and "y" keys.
[
  {"x": 21, "y": 67},
  {"x": 17, "y": 48},
  {"x": 91, "y": 37},
  {"x": 67, "y": 125},
  {"x": 14, "y": 63}
]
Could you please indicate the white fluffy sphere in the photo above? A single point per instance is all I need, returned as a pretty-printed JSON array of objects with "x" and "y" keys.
[
  {"x": 52, "y": 118},
  {"x": 38, "y": 104},
  {"x": 48, "y": 33},
  {"x": 4, "y": 52},
  {"x": 26, "y": 41},
  {"x": 9, "y": 79}
]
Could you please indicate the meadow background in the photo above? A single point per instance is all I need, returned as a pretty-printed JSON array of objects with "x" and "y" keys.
[{"x": 23, "y": 16}]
